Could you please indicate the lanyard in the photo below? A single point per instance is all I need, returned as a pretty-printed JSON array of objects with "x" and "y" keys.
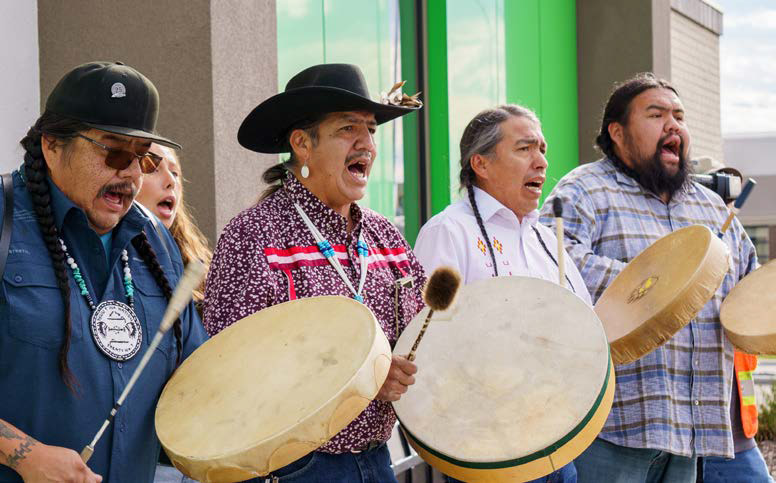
[
  {"x": 548, "y": 252},
  {"x": 326, "y": 249}
]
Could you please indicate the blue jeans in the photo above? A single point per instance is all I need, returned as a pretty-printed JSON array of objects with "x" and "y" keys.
[
  {"x": 567, "y": 474},
  {"x": 373, "y": 466},
  {"x": 603, "y": 461},
  {"x": 170, "y": 474},
  {"x": 747, "y": 467}
]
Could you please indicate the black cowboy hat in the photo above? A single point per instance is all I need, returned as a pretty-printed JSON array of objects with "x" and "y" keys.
[
  {"x": 109, "y": 96},
  {"x": 315, "y": 91}
]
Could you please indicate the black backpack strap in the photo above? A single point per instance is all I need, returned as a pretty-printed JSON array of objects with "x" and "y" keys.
[{"x": 5, "y": 235}]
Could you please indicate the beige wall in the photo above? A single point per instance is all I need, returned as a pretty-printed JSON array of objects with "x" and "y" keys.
[
  {"x": 211, "y": 60},
  {"x": 615, "y": 40},
  {"x": 695, "y": 72}
]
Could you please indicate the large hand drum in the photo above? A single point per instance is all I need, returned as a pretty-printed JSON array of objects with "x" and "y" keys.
[
  {"x": 271, "y": 388},
  {"x": 514, "y": 381},
  {"x": 748, "y": 314},
  {"x": 661, "y": 290}
]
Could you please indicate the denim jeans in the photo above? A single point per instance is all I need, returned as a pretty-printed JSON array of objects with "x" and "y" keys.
[
  {"x": 747, "y": 467},
  {"x": 603, "y": 461},
  {"x": 170, "y": 474},
  {"x": 373, "y": 466},
  {"x": 567, "y": 474}
]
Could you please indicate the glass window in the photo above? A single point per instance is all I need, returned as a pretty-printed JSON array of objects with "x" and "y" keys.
[
  {"x": 355, "y": 32},
  {"x": 760, "y": 235},
  {"x": 476, "y": 71}
]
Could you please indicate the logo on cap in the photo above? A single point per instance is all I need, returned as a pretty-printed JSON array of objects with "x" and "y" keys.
[{"x": 118, "y": 90}]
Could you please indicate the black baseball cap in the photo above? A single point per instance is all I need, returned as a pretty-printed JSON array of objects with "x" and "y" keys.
[{"x": 109, "y": 96}]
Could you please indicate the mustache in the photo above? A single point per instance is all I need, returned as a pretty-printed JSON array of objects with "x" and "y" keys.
[
  {"x": 123, "y": 188},
  {"x": 359, "y": 154}
]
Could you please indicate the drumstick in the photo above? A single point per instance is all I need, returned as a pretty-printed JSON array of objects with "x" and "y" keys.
[
  {"x": 557, "y": 208},
  {"x": 180, "y": 298},
  {"x": 737, "y": 205},
  {"x": 438, "y": 294}
]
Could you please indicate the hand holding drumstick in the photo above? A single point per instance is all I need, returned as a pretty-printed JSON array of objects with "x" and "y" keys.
[
  {"x": 180, "y": 298},
  {"x": 438, "y": 294}
]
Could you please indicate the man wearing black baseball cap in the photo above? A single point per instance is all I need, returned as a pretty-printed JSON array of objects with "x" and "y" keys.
[
  {"x": 268, "y": 254},
  {"x": 85, "y": 284}
]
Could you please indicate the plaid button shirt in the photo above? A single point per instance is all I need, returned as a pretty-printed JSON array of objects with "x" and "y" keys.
[{"x": 676, "y": 398}]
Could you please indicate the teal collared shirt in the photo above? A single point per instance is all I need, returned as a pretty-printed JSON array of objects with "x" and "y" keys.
[{"x": 32, "y": 329}]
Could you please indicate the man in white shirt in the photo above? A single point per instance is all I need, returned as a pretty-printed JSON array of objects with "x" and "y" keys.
[{"x": 495, "y": 230}]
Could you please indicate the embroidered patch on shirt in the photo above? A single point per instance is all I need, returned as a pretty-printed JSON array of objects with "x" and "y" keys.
[
  {"x": 497, "y": 245},
  {"x": 481, "y": 245}
]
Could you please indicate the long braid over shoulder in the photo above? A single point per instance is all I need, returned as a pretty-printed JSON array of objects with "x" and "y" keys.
[
  {"x": 147, "y": 253},
  {"x": 478, "y": 217},
  {"x": 35, "y": 174},
  {"x": 481, "y": 136}
]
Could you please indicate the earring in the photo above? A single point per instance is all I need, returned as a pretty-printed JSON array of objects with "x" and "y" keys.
[{"x": 305, "y": 171}]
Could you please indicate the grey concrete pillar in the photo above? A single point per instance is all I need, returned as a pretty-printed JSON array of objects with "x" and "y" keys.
[
  {"x": 212, "y": 62},
  {"x": 616, "y": 40}
]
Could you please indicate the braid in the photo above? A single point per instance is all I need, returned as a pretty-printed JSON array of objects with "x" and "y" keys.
[
  {"x": 148, "y": 255},
  {"x": 35, "y": 171},
  {"x": 480, "y": 223}
]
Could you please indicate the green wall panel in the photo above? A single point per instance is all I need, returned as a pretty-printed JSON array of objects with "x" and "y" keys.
[
  {"x": 411, "y": 190},
  {"x": 542, "y": 74},
  {"x": 437, "y": 105}
]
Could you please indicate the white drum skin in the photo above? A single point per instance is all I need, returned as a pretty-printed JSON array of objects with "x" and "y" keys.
[
  {"x": 514, "y": 381},
  {"x": 661, "y": 290},
  {"x": 748, "y": 313},
  {"x": 271, "y": 388}
]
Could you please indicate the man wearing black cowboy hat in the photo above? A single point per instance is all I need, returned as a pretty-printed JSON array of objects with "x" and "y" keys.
[
  {"x": 85, "y": 284},
  {"x": 308, "y": 237}
]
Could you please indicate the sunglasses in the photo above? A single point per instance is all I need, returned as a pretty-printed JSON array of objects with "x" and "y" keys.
[{"x": 121, "y": 159}]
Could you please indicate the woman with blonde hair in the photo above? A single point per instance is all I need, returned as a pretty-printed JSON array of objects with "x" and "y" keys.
[{"x": 162, "y": 194}]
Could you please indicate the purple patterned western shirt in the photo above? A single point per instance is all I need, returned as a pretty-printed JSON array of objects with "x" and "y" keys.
[{"x": 266, "y": 256}]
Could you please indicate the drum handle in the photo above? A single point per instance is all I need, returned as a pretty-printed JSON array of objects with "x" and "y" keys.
[
  {"x": 557, "y": 208},
  {"x": 737, "y": 205}
]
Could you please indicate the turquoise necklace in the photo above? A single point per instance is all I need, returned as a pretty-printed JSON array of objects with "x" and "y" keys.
[
  {"x": 328, "y": 252},
  {"x": 115, "y": 327}
]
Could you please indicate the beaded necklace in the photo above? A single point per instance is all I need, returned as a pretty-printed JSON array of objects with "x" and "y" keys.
[
  {"x": 115, "y": 327},
  {"x": 327, "y": 251}
]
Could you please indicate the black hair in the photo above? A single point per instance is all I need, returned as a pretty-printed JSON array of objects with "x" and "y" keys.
[
  {"x": 274, "y": 175},
  {"x": 618, "y": 107}
]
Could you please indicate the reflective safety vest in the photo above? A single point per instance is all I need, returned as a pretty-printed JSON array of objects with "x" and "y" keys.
[{"x": 745, "y": 365}]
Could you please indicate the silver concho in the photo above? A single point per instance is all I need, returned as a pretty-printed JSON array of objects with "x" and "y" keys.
[
  {"x": 116, "y": 330},
  {"x": 118, "y": 90}
]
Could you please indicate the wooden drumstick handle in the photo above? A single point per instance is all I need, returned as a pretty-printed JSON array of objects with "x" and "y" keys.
[
  {"x": 557, "y": 208},
  {"x": 737, "y": 205},
  {"x": 195, "y": 270},
  {"x": 411, "y": 356},
  {"x": 438, "y": 294}
]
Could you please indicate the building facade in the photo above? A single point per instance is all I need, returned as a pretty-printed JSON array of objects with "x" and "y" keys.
[{"x": 214, "y": 60}]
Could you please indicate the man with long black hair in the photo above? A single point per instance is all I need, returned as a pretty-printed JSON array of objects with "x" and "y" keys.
[
  {"x": 672, "y": 405},
  {"x": 86, "y": 281}
]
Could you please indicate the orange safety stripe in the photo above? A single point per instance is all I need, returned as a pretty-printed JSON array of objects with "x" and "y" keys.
[{"x": 744, "y": 365}]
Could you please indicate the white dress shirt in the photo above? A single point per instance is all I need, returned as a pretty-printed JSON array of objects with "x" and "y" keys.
[{"x": 453, "y": 238}]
